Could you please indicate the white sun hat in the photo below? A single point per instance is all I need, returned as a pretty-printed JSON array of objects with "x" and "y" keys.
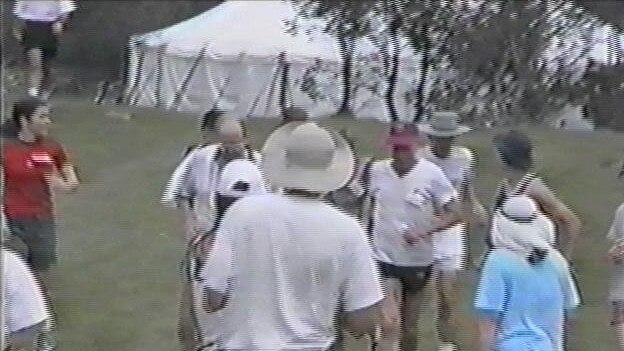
[{"x": 304, "y": 156}]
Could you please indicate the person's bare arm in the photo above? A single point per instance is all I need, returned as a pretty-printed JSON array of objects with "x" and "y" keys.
[
  {"x": 65, "y": 180},
  {"x": 487, "y": 332},
  {"x": 561, "y": 214},
  {"x": 474, "y": 211},
  {"x": 364, "y": 321}
]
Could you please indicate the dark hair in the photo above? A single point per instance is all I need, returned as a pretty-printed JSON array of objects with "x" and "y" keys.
[
  {"x": 537, "y": 256},
  {"x": 209, "y": 120},
  {"x": 516, "y": 150},
  {"x": 22, "y": 108}
]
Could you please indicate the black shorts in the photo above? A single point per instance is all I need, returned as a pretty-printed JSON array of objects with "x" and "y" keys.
[
  {"x": 35, "y": 239},
  {"x": 413, "y": 279},
  {"x": 40, "y": 35}
]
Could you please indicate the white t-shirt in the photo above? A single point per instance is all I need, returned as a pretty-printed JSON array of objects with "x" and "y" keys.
[
  {"x": 459, "y": 169},
  {"x": 43, "y": 10},
  {"x": 403, "y": 202},
  {"x": 23, "y": 304},
  {"x": 290, "y": 265}
]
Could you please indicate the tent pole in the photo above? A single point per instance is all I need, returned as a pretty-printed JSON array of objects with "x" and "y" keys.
[
  {"x": 270, "y": 97},
  {"x": 187, "y": 79},
  {"x": 159, "y": 74},
  {"x": 220, "y": 93},
  {"x": 131, "y": 94},
  {"x": 272, "y": 88},
  {"x": 284, "y": 71}
]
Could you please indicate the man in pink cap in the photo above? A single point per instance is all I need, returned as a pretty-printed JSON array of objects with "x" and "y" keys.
[{"x": 411, "y": 200}]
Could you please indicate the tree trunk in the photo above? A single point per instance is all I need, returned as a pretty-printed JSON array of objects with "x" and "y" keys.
[
  {"x": 347, "y": 52},
  {"x": 392, "y": 77},
  {"x": 424, "y": 75}
]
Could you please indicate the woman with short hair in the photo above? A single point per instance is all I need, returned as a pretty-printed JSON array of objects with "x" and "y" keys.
[
  {"x": 516, "y": 153},
  {"x": 526, "y": 289}
]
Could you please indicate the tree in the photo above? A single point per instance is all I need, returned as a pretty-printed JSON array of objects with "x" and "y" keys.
[
  {"x": 523, "y": 56},
  {"x": 345, "y": 20}
]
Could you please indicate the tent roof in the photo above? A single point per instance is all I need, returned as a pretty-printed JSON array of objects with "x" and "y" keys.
[{"x": 255, "y": 28}]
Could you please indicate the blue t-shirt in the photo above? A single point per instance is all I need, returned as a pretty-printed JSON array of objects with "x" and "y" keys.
[{"x": 528, "y": 301}]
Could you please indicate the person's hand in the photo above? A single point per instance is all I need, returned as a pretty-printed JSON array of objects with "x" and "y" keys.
[
  {"x": 57, "y": 28},
  {"x": 412, "y": 236},
  {"x": 57, "y": 182},
  {"x": 480, "y": 215},
  {"x": 18, "y": 34},
  {"x": 616, "y": 252}
]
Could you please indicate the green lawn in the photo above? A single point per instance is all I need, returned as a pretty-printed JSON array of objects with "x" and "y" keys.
[{"x": 117, "y": 280}]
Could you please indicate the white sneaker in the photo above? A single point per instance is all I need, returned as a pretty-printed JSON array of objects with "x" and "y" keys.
[
  {"x": 34, "y": 92},
  {"x": 448, "y": 347}
]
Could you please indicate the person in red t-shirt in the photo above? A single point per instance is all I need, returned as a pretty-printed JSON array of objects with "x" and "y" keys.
[{"x": 34, "y": 167}]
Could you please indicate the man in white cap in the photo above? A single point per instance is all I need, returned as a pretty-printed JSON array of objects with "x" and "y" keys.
[
  {"x": 526, "y": 290},
  {"x": 285, "y": 267},
  {"x": 239, "y": 178},
  {"x": 412, "y": 200},
  {"x": 449, "y": 246}
]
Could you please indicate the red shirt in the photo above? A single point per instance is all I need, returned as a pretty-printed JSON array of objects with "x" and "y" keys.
[{"x": 26, "y": 192}]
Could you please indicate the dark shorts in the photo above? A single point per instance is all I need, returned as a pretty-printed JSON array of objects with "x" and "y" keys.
[
  {"x": 40, "y": 35},
  {"x": 413, "y": 279},
  {"x": 35, "y": 239},
  {"x": 617, "y": 312}
]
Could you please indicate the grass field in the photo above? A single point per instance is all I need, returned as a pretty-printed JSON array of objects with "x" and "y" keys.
[{"x": 117, "y": 278}]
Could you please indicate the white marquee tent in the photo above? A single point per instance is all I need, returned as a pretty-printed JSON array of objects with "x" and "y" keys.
[{"x": 231, "y": 55}]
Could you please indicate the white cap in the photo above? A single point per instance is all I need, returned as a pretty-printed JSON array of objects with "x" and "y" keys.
[{"x": 241, "y": 172}]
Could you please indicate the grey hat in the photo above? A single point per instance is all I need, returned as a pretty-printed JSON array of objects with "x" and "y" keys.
[{"x": 443, "y": 124}]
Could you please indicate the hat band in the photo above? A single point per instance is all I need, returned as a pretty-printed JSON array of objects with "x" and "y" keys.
[
  {"x": 519, "y": 219},
  {"x": 314, "y": 159}
]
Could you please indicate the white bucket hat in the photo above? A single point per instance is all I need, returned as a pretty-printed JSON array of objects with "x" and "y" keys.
[
  {"x": 241, "y": 178},
  {"x": 518, "y": 226},
  {"x": 302, "y": 155},
  {"x": 443, "y": 124}
]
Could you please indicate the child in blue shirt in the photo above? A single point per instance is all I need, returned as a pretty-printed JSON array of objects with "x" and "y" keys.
[{"x": 526, "y": 287}]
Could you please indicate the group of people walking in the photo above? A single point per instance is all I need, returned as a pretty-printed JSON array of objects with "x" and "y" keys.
[{"x": 291, "y": 246}]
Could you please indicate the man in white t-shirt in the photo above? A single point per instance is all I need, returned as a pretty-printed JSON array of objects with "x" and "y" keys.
[
  {"x": 23, "y": 307},
  {"x": 412, "y": 200},
  {"x": 284, "y": 268},
  {"x": 457, "y": 163},
  {"x": 192, "y": 186},
  {"x": 39, "y": 25}
]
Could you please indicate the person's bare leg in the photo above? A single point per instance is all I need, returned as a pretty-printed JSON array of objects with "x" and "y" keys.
[
  {"x": 619, "y": 334},
  {"x": 389, "y": 341},
  {"x": 186, "y": 325},
  {"x": 447, "y": 301},
  {"x": 47, "y": 84},
  {"x": 34, "y": 69},
  {"x": 411, "y": 310}
]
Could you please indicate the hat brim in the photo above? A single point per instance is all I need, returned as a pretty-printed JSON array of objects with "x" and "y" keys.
[
  {"x": 428, "y": 129},
  {"x": 279, "y": 174}
]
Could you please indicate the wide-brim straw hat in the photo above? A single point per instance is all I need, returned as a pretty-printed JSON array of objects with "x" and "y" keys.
[
  {"x": 443, "y": 124},
  {"x": 305, "y": 156}
]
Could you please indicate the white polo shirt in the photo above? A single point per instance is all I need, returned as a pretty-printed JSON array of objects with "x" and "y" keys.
[
  {"x": 42, "y": 10},
  {"x": 23, "y": 303},
  {"x": 459, "y": 169},
  {"x": 290, "y": 265},
  {"x": 403, "y": 202}
]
